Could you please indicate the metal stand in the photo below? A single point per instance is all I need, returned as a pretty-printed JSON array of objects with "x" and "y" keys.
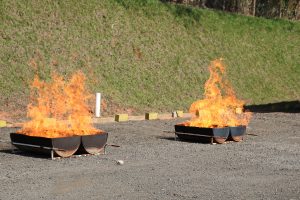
[
  {"x": 52, "y": 150},
  {"x": 197, "y": 135},
  {"x": 104, "y": 150},
  {"x": 52, "y": 155}
]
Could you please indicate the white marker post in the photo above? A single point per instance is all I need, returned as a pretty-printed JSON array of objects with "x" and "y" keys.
[{"x": 98, "y": 105}]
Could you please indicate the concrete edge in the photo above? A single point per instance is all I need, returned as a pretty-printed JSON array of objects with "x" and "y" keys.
[{"x": 104, "y": 120}]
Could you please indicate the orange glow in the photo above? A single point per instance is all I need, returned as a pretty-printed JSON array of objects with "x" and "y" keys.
[
  {"x": 58, "y": 108},
  {"x": 220, "y": 107}
]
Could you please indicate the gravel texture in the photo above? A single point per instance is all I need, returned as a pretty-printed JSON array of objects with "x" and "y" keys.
[{"x": 265, "y": 166}]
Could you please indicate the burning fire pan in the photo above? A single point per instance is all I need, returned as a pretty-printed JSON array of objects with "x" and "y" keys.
[
  {"x": 64, "y": 147},
  {"x": 237, "y": 133},
  {"x": 94, "y": 144},
  {"x": 219, "y": 135}
]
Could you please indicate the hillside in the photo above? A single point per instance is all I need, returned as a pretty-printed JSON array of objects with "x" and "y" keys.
[{"x": 144, "y": 55}]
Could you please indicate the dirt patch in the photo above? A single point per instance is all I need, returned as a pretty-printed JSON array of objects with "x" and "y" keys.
[{"x": 266, "y": 166}]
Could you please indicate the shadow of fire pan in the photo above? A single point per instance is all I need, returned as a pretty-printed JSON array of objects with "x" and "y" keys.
[
  {"x": 200, "y": 140},
  {"x": 285, "y": 106},
  {"x": 14, "y": 151}
]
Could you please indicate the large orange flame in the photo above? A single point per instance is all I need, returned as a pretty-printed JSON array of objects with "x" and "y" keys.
[
  {"x": 220, "y": 107},
  {"x": 58, "y": 108}
]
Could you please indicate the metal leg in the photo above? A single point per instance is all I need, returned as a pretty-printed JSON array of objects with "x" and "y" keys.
[
  {"x": 104, "y": 150},
  {"x": 52, "y": 155}
]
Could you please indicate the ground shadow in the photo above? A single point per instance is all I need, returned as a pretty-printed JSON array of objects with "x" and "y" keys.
[
  {"x": 14, "y": 151},
  {"x": 284, "y": 106},
  {"x": 201, "y": 140}
]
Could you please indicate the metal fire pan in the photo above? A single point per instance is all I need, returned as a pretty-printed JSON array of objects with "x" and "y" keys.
[
  {"x": 237, "y": 133},
  {"x": 191, "y": 133},
  {"x": 94, "y": 144},
  {"x": 64, "y": 146}
]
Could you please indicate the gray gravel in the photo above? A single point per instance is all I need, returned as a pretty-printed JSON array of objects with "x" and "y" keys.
[{"x": 266, "y": 166}]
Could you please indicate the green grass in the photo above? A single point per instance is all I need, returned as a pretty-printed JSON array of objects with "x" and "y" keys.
[{"x": 144, "y": 54}]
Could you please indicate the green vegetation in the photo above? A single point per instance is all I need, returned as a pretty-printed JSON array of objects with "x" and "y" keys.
[{"x": 144, "y": 54}]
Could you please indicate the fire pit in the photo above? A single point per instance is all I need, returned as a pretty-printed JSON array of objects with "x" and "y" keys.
[
  {"x": 220, "y": 115},
  {"x": 61, "y": 121},
  {"x": 63, "y": 146},
  {"x": 218, "y": 135}
]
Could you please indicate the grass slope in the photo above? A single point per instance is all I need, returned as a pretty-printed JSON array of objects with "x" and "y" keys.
[{"x": 144, "y": 55}]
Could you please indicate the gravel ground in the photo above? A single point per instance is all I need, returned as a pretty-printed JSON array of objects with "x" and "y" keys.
[{"x": 266, "y": 166}]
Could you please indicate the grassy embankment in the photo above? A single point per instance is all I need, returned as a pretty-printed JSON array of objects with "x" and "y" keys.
[{"x": 144, "y": 55}]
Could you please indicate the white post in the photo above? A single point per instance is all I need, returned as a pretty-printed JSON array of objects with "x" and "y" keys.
[{"x": 98, "y": 104}]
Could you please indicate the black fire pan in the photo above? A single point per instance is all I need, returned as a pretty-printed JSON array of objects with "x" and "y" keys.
[
  {"x": 93, "y": 144},
  {"x": 64, "y": 146},
  {"x": 237, "y": 133},
  {"x": 219, "y": 135}
]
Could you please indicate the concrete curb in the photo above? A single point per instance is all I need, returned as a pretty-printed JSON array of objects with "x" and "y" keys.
[
  {"x": 162, "y": 116},
  {"x": 104, "y": 120}
]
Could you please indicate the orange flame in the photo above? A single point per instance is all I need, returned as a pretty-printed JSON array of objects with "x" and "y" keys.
[
  {"x": 220, "y": 107},
  {"x": 59, "y": 109}
]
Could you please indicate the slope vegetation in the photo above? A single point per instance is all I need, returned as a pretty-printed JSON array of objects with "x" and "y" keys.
[{"x": 144, "y": 55}]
